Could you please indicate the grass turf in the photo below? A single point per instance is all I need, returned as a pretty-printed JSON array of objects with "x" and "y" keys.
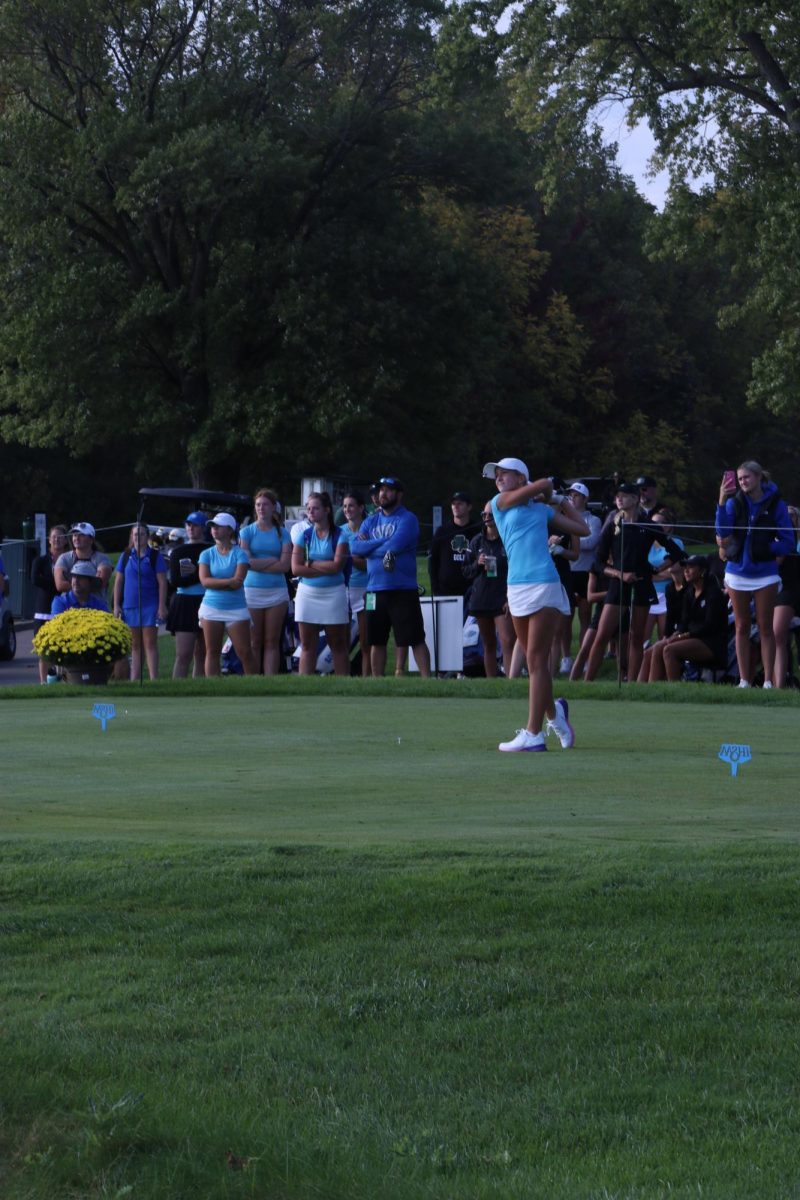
[{"x": 407, "y": 970}]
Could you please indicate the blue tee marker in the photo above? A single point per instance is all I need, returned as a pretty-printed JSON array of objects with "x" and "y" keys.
[
  {"x": 735, "y": 755},
  {"x": 104, "y": 713}
]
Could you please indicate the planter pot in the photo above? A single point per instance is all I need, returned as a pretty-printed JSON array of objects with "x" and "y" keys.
[{"x": 88, "y": 675}]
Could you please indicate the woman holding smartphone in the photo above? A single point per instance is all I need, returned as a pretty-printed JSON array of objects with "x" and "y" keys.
[{"x": 754, "y": 529}]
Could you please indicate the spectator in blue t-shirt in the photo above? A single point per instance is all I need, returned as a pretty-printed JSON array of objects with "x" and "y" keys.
[
  {"x": 265, "y": 590},
  {"x": 354, "y": 511},
  {"x": 222, "y": 569},
  {"x": 140, "y": 598},
  {"x": 80, "y": 594}
]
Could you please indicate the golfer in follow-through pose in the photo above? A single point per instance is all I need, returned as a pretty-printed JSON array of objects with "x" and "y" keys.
[{"x": 536, "y": 597}]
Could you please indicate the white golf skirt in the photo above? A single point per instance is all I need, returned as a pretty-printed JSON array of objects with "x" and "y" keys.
[{"x": 321, "y": 605}]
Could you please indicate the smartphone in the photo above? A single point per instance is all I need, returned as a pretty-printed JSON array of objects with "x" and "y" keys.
[{"x": 729, "y": 481}]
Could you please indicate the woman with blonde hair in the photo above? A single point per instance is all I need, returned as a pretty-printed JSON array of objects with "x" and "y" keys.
[
  {"x": 140, "y": 598},
  {"x": 754, "y": 529},
  {"x": 265, "y": 591},
  {"x": 536, "y": 597}
]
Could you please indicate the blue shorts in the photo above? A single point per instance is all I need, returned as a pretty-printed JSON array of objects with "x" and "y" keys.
[{"x": 148, "y": 617}]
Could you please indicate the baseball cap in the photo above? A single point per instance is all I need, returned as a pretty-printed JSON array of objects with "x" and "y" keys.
[
  {"x": 83, "y": 568},
  {"x": 580, "y": 488},
  {"x": 83, "y": 527},
  {"x": 490, "y": 469},
  {"x": 696, "y": 560},
  {"x": 195, "y": 518},
  {"x": 646, "y": 481},
  {"x": 628, "y": 489},
  {"x": 224, "y": 519},
  {"x": 465, "y": 496},
  {"x": 390, "y": 481}
]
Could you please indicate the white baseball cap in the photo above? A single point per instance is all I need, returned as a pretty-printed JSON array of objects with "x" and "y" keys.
[
  {"x": 505, "y": 464},
  {"x": 83, "y": 527},
  {"x": 580, "y": 488},
  {"x": 224, "y": 519},
  {"x": 81, "y": 567}
]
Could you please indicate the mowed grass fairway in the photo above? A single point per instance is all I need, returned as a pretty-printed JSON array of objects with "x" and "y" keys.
[{"x": 332, "y": 946}]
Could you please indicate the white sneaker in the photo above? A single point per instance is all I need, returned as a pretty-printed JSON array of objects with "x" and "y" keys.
[
  {"x": 566, "y": 665},
  {"x": 524, "y": 741},
  {"x": 561, "y": 727},
  {"x": 743, "y": 683},
  {"x": 766, "y": 684}
]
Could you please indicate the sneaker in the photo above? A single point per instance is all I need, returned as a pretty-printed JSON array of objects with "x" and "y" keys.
[
  {"x": 743, "y": 683},
  {"x": 524, "y": 741},
  {"x": 766, "y": 684},
  {"x": 561, "y": 727},
  {"x": 566, "y": 665}
]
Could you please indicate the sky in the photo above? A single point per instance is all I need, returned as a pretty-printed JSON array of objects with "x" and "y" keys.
[{"x": 634, "y": 147}]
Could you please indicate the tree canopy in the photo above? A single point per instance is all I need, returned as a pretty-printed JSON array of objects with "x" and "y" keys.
[
  {"x": 718, "y": 83},
  {"x": 243, "y": 241}
]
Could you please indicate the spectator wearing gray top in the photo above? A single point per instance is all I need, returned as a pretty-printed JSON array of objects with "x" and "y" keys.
[
  {"x": 578, "y": 493},
  {"x": 84, "y": 549}
]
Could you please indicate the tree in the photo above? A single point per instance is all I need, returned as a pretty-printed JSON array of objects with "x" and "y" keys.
[
  {"x": 174, "y": 176},
  {"x": 718, "y": 81}
]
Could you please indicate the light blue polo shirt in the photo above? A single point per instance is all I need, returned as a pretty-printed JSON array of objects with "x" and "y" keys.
[
  {"x": 264, "y": 543},
  {"x": 317, "y": 550},
  {"x": 223, "y": 566},
  {"x": 524, "y": 532}
]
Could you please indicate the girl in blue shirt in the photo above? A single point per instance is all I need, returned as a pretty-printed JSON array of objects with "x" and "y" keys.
[
  {"x": 751, "y": 541},
  {"x": 318, "y": 560},
  {"x": 355, "y": 511},
  {"x": 140, "y": 599},
  {"x": 222, "y": 569},
  {"x": 536, "y": 597},
  {"x": 270, "y": 550}
]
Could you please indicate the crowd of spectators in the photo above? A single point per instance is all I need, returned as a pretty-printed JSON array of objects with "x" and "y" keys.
[{"x": 633, "y": 593}]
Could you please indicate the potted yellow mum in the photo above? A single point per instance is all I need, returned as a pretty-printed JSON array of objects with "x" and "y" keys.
[{"x": 86, "y": 642}]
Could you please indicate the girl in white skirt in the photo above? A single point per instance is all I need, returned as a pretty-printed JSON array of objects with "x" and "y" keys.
[
  {"x": 265, "y": 591},
  {"x": 536, "y": 597},
  {"x": 222, "y": 569},
  {"x": 318, "y": 560}
]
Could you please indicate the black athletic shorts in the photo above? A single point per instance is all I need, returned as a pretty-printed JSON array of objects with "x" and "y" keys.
[
  {"x": 788, "y": 598},
  {"x": 182, "y": 615},
  {"x": 642, "y": 592},
  {"x": 399, "y": 611},
  {"x": 580, "y": 584},
  {"x": 595, "y": 621}
]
